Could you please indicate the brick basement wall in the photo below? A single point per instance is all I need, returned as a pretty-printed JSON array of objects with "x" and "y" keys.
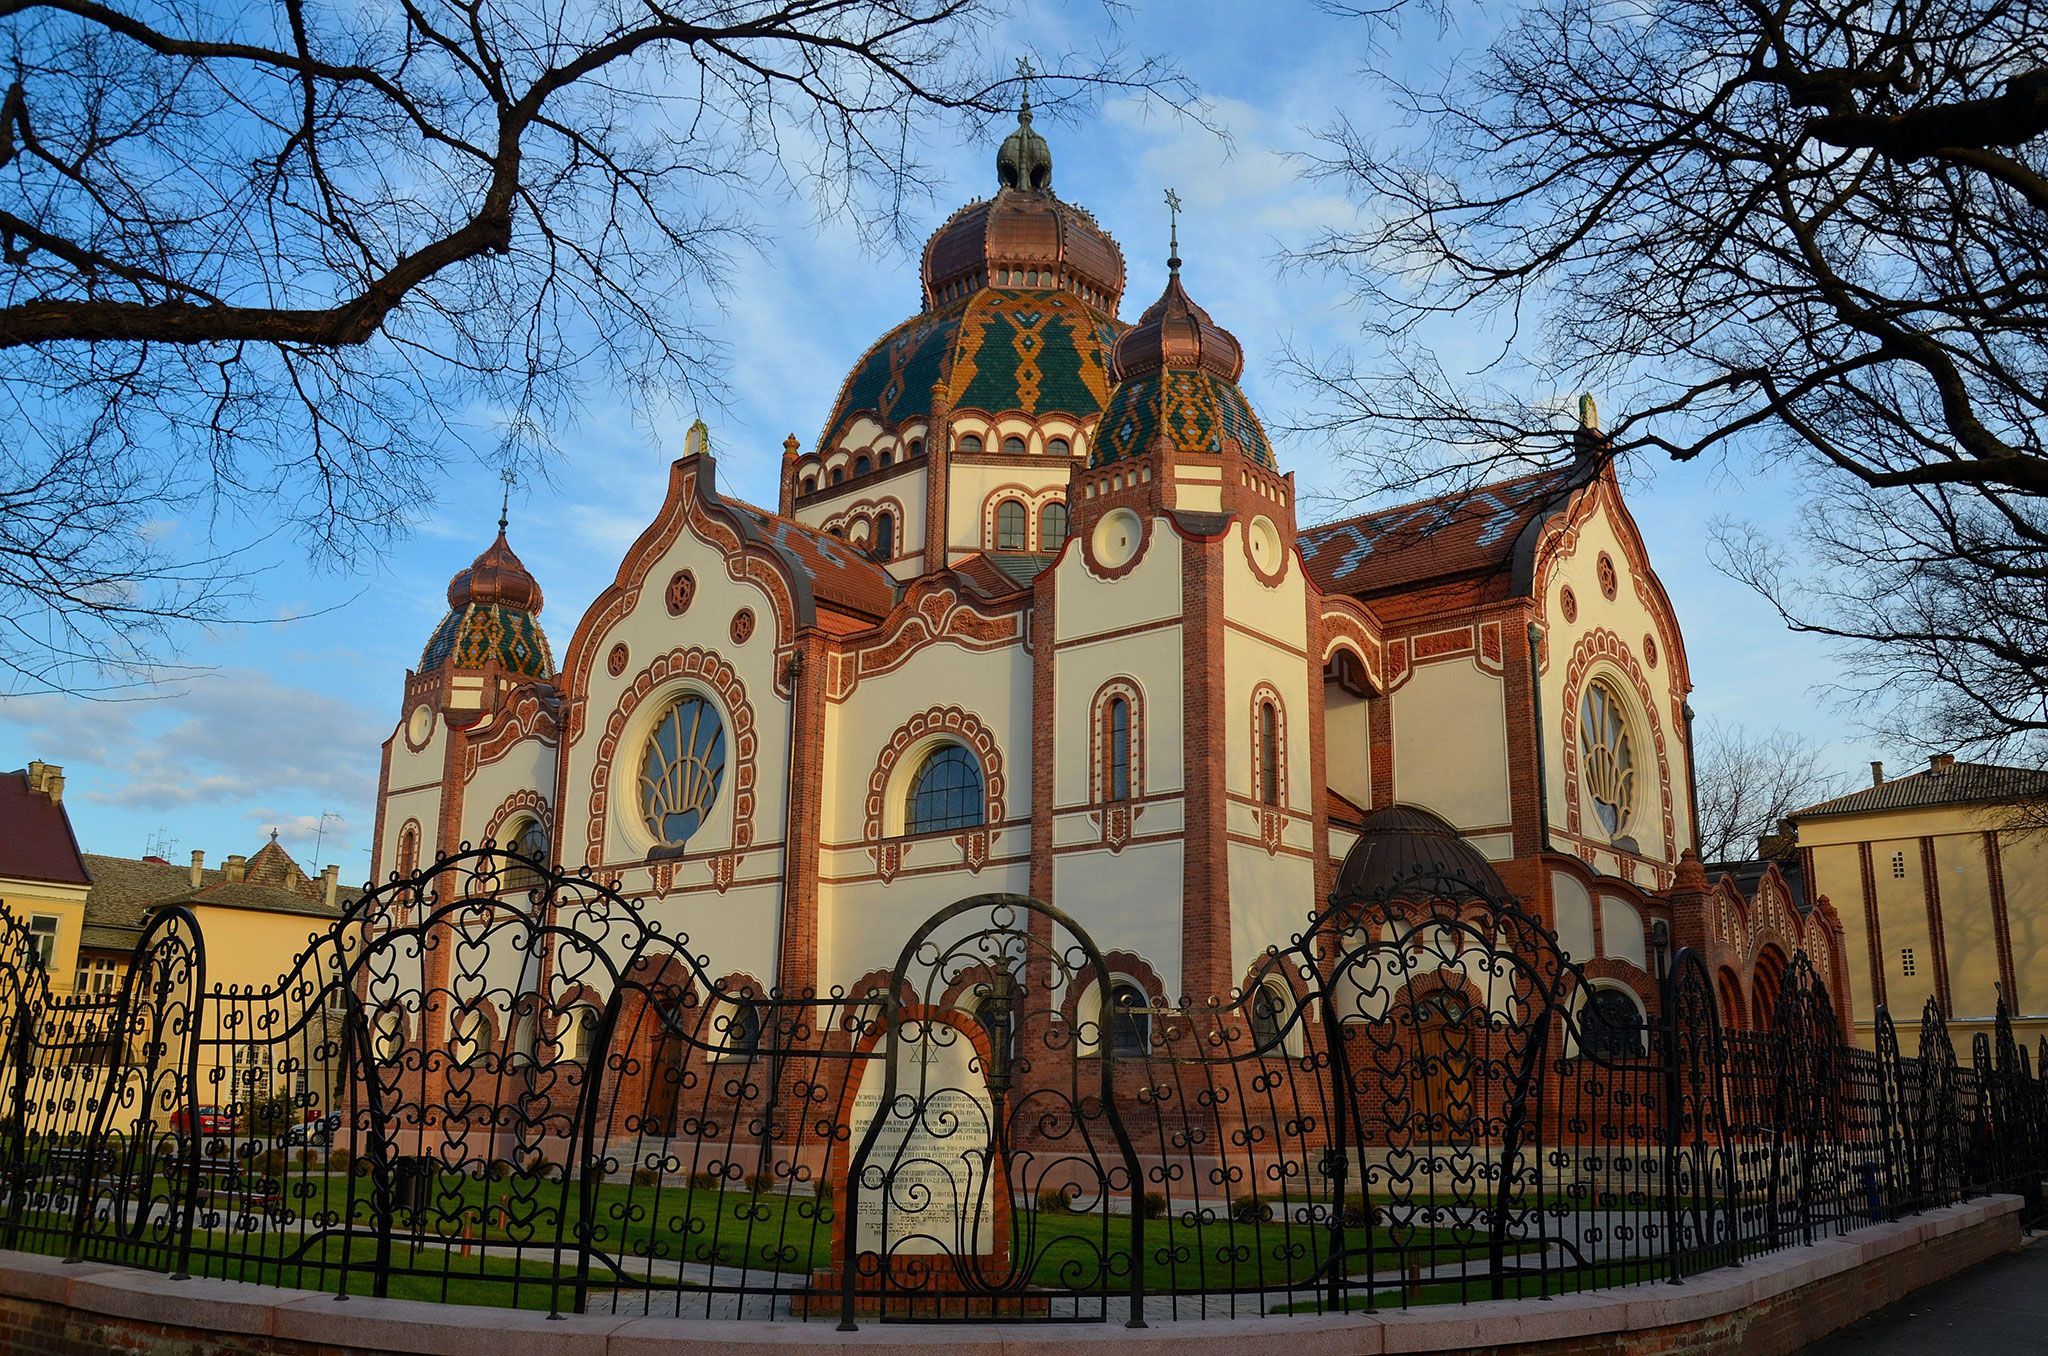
[{"x": 1768, "y": 1307}]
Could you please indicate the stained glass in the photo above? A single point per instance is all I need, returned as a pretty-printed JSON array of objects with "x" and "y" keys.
[
  {"x": 1609, "y": 756},
  {"x": 680, "y": 775}
]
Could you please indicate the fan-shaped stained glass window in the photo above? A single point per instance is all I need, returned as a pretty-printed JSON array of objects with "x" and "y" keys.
[
  {"x": 681, "y": 772},
  {"x": 1052, "y": 527},
  {"x": 1609, "y": 755},
  {"x": 1010, "y": 525},
  {"x": 946, "y": 793}
]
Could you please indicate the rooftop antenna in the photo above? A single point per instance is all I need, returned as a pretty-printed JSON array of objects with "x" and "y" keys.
[
  {"x": 320, "y": 835},
  {"x": 1173, "y": 231},
  {"x": 159, "y": 843}
]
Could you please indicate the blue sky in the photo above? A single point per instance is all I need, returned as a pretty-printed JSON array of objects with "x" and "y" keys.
[{"x": 282, "y": 722}]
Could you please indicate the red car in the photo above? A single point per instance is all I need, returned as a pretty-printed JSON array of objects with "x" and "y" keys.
[{"x": 212, "y": 1120}]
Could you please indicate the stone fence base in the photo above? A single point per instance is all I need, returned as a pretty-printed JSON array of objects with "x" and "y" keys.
[{"x": 1767, "y": 1307}]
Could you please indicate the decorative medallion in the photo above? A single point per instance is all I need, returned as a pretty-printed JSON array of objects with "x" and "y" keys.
[
  {"x": 1568, "y": 602},
  {"x": 742, "y": 625},
  {"x": 615, "y": 662},
  {"x": 682, "y": 589},
  {"x": 1650, "y": 651},
  {"x": 1610, "y": 584}
]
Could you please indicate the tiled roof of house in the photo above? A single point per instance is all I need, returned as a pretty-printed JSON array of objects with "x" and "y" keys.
[
  {"x": 838, "y": 574},
  {"x": 1473, "y": 531},
  {"x": 125, "y": 890},
  {"x": 36, "y": 842},
  {"x": 1954, "y": 784}
]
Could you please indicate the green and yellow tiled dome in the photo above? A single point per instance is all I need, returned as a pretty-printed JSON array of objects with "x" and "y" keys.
[
  {"x": 493, "y": 618},
  {"x": 997, "y": 350},
  {"x": 1176, "y": 376}
]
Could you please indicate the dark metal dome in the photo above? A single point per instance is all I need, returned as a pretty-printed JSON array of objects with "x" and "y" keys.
[{"x": 1405, "y": 850}]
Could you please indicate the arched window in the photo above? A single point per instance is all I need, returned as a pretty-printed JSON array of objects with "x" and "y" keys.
[
  {"x": 409, "y": 849},
  {"x": 527, "y": 839},
  {"x": 838, "y": 474},
  {"x": 861, "y": 466},
  {"x": 1013, "y": 446},
  {"x": 969, "y": 442},
  {"x": 1130, "y": 1018},
  {"x": 1609, "y": 756},
  {"x": 579, "y": 1038},
  {"x": 886, "y": 459},
  {"x": 885, "y": 536},
  {"x": 810, "y": 485},
  {"x": 525, "y": 1033},
  {"x": 469, "y": 1036},
  {"x": 1613, "y": 1025},
  {"x": 741, "y": 1036},
  {"x": 1052, "y": 527},
  {"x": 681, "y": 770},
  {"x": 1268, "y": 1012},
  {"x": 1116, "y": 750},
  {"x": 1010, "y": 525},
  {"x": 1058, "y": 447},
  {"x": 917, "y": 447},
  {"x": 1269, "y": 753},
  {"x": 387, "y": 1035},
  {"x": 946, "y": 793}
]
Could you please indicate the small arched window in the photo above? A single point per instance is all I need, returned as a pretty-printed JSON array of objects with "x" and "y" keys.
[
  {"x": 917, "y": 447},
  {"x": 1269, "y": 753},
  {"x": 1268, "y": 1012},
  {"x": 1052, "y": 527},
  {"x": 838, "y": 474},
  {"x": 579, "y": 1039},
  {"x": 969, "y": 442},
  {"x": 887, "y": 459},
  {"x": 1011, "y": 525},
  {"x": 885, "y": 536},
  {"x": 1609, "y": 756},
  {"x": 528, "y": 843},
  {"x": 1116, "y": 770},
  {"x": 469, "y": 1036},
  {"x": 525, "y": 1036},
  {"x": 946, "y": 793},
  {"x": 861, "y": 466},
  {"x": 1130, "y": 1018},
  {"x": 810, "y": 485},
  {"x": 387, "y": 1035},
  {"x": 741, "y": 1037},
  {"x": 1614, "y": 1026},
  {"x": 408, "y": 849},
  {"x": 1013, "y": 446},
  {"x": 1058, "y": 447},
  {"x": 681, "y": 770}
]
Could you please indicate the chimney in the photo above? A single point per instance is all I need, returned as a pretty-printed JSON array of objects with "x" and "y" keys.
[
  {"x": 331, "y": 878},
  {"x": 235, "y": 865},
  {"x": 46, "y": 779},
  {"x": 1876, "y": 773},
  {"x": 1942, "y": 763},
  {"x": 198, "y": 868}
]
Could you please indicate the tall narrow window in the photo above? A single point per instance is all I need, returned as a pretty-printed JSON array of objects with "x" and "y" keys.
[
  {"x": 681, "y": 770},
  {"x": 1052, "y": 527},
  {"x": 885, "y": 536},
  {"x": 42, "y": 931},
  {"x": 1130, "y": 1019},
  {"x": 1269, "y": 753},
  {"x": 1267, "y": 1013},
  {"x": 1117, "y": 775},
  {"x": 946, "y": 793},
  {"x": 1010, "y": 525}
]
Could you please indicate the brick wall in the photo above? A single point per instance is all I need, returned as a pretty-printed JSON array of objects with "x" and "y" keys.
[{"x": 1770, "y": 1306}]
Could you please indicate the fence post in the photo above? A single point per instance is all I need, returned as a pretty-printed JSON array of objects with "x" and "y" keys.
[
  {"x": 1674, "y": 1093},
  {"x": 23, "y": 1038},
  {"x": 189, "y": 1144}
]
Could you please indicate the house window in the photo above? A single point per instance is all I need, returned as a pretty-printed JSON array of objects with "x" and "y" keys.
[
  {"x": 42, "y": 931},
  {"x": 1116, "y": 772},
  {"x": 99, "y": 976},
  {"x": 581, "y": 1037},
  {"x": 1058, "y": 447},
  {"x": 1898, "y": 866},
  {"x": 409, "y": 849},
  {"x": 741, "y": 1036},
  {"x": 886, "y": 459},
  {"x": 946, "y": 793},
  {"x": 387, "y": 1035},
  {"x": 1130, "y": 1018},
  {"x": 1013, "y": 446},
  {"x": 885, "y": 536},
  {"x": 1269, "y": 753},
  {"x": 969, "y": 442},
  {"x": 917, "y": 447},
  {"x": 1906, "y": 966},
  {"x": 681, "y": 771},
  {"x": 1609, "y": 756},
  {"x": 469, "y": 1036},
  {"x": 1052, "y": 527},
  {"x": 1268, "y": 1008},
  {"x": 1010, "y": 525},
  {"x": 526, "y": 840}
]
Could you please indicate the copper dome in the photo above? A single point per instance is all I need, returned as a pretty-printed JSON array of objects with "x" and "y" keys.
[
  {"x": 496, "y": 578},
  {"x": 1407, "y": 852},
  {"x": 1176, "y": 333}
]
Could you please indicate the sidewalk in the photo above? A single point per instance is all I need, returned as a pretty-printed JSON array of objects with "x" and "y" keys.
[{"x": 1997, "y": 1309}]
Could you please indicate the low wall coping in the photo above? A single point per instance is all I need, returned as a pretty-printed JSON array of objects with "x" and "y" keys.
[{"x": 419, "y": 1326}]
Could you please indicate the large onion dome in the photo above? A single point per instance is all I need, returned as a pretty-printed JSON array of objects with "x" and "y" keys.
[
  {"x": 1405, "y": 851},
  {"x": 1176, "y": 372},
  {"x": 1020, "y": 298},
  {"x": 493, "y": 618}
]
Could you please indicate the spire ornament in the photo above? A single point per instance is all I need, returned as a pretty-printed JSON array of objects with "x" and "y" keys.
[
  {"x": 1173, "y": 231},
  {"x": 511, "y": 478},
  {"x": 1025, "y": 162}
]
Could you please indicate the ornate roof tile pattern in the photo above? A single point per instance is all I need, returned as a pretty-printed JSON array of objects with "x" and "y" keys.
[
  {"x": 998, "y": 350},
  {"x": 1194, "y": 410},
  {"x": 1471, "y": 530},
  {"x": 483, "y": 634},
  {"x": 839, "y": 574}
]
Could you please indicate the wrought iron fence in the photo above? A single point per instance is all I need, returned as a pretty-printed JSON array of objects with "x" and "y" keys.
[{"x": 494, "y": 1082}]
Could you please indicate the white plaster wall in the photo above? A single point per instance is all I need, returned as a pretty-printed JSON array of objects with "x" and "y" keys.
[
  {"x": 1574, "y": 915},
  {"x": 1621, "y": 932},
  {"x": 528, "y": 765},
  {"x": 969, "y": 486},
  {"x": 1450, "y": 742},
  {"x": 1347, "y": 744},
  {"x": 1128, "y": 900}
]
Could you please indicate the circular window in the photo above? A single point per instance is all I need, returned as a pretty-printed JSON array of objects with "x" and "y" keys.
[
  {"x": 1650, "y": 651},
  {"x": 1116, "y": 538},
  {"x": 682, "y": 587},
  {"x": 1610, "y": 584},
  {"x": 681, "y": 771},
  {"x": 1568, "y": 603},
  {"x": 742, "y": 625},
  {"x": 615, "y": 662},
  {"x": 1264, "y": 539},
  {"x": 419, "y": 725},
  {"x": 1608, "y": 752}
]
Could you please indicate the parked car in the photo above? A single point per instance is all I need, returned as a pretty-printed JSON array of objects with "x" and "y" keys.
[
  {"x": 318, "y": 1130},
  {"x": 212, "y": 1120}
]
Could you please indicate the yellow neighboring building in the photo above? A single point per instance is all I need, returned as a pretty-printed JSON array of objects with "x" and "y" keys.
[
  {"x": 43, "y": 878},
  {"x": 1942, "y": 888}
]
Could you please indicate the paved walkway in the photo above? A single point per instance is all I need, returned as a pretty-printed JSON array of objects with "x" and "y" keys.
[{"x": 1997, "y": 1309}]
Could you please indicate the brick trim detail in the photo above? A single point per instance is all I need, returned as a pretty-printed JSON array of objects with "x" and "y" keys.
[{"x": 717, "y": 676}]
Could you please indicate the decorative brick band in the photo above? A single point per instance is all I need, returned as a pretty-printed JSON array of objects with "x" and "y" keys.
[{"x": 1769, "y": 1306}]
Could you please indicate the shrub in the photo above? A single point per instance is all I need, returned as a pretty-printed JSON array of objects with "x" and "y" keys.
[
  {"x": 1358, "y": 1214},
  {"x": 1250, "y": 1209},
  {"x": 341, "y": 1160},
  {"x": 307, "y": 1158},
  {"x": 1054, "y": 1201},
  {"x": 1154, "y": 1205},
  {"x": 497, "y": 1170},
  {"x": 704, "y": 1181},
  {"x": 761, "y": 1183},
  {"x": 272, "y": 1162},
  {"x": 646, "y": 1175}
]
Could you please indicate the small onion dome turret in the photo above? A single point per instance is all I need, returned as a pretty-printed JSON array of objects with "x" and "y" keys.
[
  {"x": 493, "y": 618},
  {"x": 1176, "y": 372},
  {"x": 1406, "y": 852}
]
